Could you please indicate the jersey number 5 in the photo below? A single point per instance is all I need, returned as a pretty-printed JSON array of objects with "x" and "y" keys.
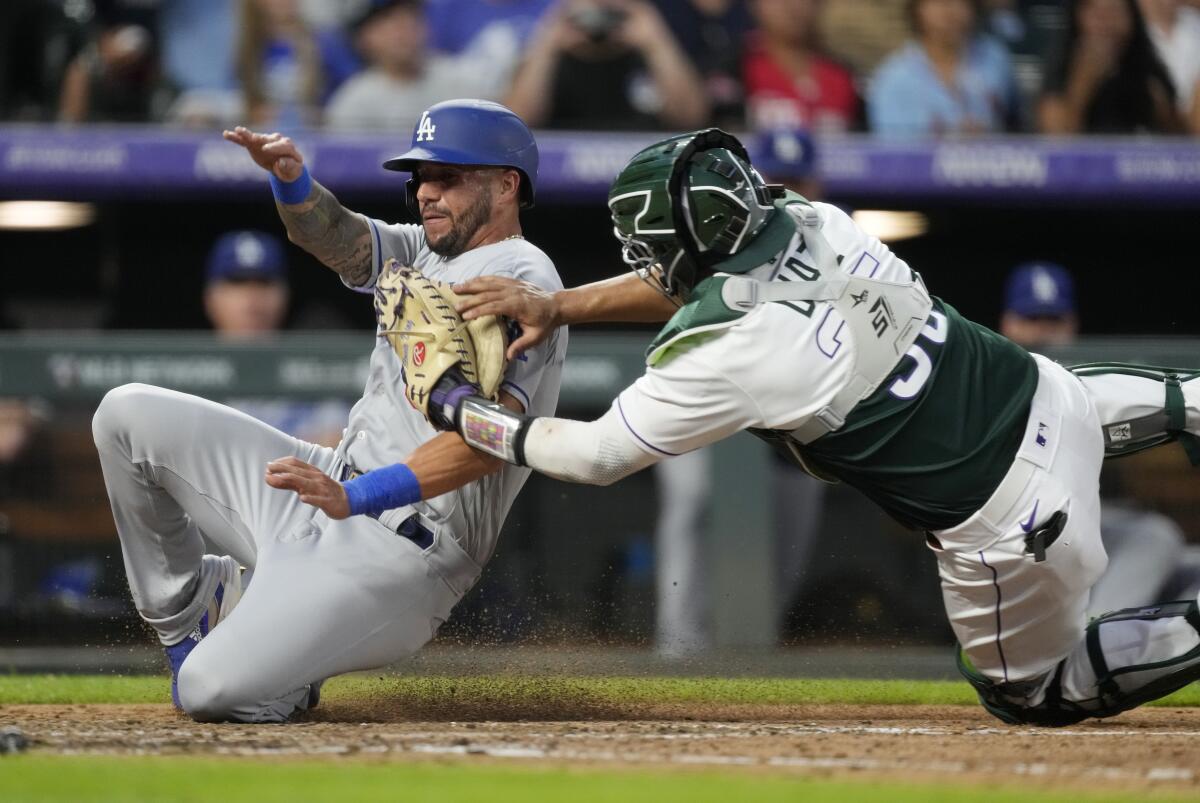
[{"x": 935, "y": 331}]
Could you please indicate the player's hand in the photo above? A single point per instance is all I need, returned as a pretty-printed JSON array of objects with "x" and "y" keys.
[
  {"x": 273, "y": 152},
  {"x": 314, "y": 486},
  {"x": 524, "y": 302}
]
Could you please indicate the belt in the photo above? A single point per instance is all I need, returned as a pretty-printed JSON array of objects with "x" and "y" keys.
[{"x": 411, "y": 528}]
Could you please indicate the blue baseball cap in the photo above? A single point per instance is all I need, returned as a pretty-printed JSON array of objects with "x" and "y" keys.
[
  {"x": 1040, "y": 289},
  {"x": 246, "y": 255},
  {"x": 785, "y": 153}
]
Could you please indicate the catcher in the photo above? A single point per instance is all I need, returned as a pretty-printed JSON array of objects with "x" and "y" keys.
[
  {"x": 788, "y": 320},
  {"x": 332, "y": 594}
]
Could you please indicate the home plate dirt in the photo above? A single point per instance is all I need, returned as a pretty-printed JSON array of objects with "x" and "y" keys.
[{"x": 1157, "y": 747}]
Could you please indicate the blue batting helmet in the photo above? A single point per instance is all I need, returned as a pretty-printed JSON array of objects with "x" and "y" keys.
[{"x": 470, "y": 132}]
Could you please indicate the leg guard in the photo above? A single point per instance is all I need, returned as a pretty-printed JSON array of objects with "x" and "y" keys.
[
  {"x": 1128, "y": 658},
  {"x": 1129, "y": 429},
  {"x": 1011, "y": 702}
]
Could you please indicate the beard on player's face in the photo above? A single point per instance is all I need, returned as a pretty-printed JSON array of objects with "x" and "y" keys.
[{"x": 463, "y": 225}]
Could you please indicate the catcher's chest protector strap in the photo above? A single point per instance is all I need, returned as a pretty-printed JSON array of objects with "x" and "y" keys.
[{"x": 884, "y": 318}]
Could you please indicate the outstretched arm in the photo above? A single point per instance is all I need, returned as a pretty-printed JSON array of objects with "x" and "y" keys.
[
  {"x": 624, "y": 298},
  {"x": 314, "y": 218},
  {"x": 438, "y": 466}
]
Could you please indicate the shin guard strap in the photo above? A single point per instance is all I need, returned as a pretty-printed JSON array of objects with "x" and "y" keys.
[{"x": 1176, "y": 409}]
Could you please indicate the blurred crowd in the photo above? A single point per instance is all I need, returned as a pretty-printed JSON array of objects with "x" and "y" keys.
[{"x": 893, "y": 67}]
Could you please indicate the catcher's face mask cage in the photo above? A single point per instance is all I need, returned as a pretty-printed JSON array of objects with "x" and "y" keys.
[{"x": 683, "y": 205}]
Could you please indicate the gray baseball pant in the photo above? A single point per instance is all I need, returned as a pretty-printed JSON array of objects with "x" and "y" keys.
[{"x": 327, "y": 597}]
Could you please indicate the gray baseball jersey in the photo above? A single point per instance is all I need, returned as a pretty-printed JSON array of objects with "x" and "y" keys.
[{"x": 385, "y": 429}]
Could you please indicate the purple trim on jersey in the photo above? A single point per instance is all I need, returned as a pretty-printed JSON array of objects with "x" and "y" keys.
[
  {"x": 643, "y": 441},
  {"x": 859, "y": 263},
  {"x": 999, "y": 626},
  {"x": 524, "y": 397},
  {"x": 821, "y": 326}
]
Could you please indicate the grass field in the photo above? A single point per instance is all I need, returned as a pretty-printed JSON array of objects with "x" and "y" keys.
[
  {"x": 60, "y": 689},
  {"x": 101, "y": 780},
  {"x": 46, "y": 774}
]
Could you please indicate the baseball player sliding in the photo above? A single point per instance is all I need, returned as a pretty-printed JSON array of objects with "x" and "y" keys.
[
  {"x": 788, "y": 320},
  {"x": 333, "y": 595}
]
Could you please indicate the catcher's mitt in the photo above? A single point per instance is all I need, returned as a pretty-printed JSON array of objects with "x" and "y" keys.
[{"x": 417, "y": 315}]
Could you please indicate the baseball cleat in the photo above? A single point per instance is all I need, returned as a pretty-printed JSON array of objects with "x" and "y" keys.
[{"x": 223, "y": 601}]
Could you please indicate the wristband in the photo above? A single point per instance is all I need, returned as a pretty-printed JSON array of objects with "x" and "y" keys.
[
  {"x": 493, "y": 428},
  {"x": 444, "y": 405},
  {"x": 382, "y": 489},
  {"x": 292, "y": 192}
]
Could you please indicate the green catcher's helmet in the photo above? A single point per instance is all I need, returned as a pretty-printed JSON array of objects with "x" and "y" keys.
[{"x": 686, "y": 203}]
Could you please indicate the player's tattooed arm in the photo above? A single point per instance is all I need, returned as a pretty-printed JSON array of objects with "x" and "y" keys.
[
  {"x": 318, "y": 223},
  {"x": 331, "y": 233}
]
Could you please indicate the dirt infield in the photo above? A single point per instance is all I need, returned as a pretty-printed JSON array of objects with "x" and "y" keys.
[{"x": 1149, "y": 748}]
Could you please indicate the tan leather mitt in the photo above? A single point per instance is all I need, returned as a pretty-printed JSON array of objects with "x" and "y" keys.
[{"x": 417, "y": 315}]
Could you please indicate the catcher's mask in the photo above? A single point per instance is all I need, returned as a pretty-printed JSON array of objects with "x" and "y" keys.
[
  {"x": 683, "y": 205},
  {"x": 472, "y": 133}
]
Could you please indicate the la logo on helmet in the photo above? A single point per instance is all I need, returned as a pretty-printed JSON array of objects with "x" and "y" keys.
[{"x": 426, "y": 128}]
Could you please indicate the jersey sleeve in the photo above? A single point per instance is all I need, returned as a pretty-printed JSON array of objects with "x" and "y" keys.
[
  {"x": 685, "y": 404},
  {"x": 775, "y": 368},
  {"x": 524, "y": 374},
  {"x": 401, "y": 241}
]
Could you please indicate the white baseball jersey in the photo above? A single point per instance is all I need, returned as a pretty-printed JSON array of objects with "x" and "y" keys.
[
  {"x": 384, "y": 428},
  {"x": 776, "y": 368},
  {"x": 929, "y": 444}
]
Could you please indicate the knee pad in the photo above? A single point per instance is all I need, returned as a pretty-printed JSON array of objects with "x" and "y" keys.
[
  {"x": 1150, "y": 652},
  {"x": 1012, "y": 702}
]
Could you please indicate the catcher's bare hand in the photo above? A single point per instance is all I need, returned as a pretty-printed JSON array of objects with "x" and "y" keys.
[
  {"x": 524, "y": 302},
  {"x": 314, "y": 486},
  {"x": 273, "y": 152}
]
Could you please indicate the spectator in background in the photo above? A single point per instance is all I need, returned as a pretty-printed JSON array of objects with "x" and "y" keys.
[
  {"x": 1107, "y": 78},
  {"x": 115, "y": 77},
  {"x": 332, "y": 13},
  {"x": 1144, "y": 548},
  {"x": 246, "y": 286},
  {"x": 1174, "y": 28},
  {"x": 1003, "y": 20},
  {"x": 607, "y": 64},
  {"x": 1039, "y": 306},
  {"x": 246, "y": 297},
  {"x": 286, "y": 70},
  {"x": 948, "y": 80},
  {"x": 198, "y": 41},
  {"x": 789, "y": 157},
  {"x": 37, "y": 42},
  {"x": 790, "y": 82},
  {"x": 490, "y": 31},
  {"x": 198, "y": 38},
  {"x": 712, "y": 33},
  {"x": 401, "y": 80}
]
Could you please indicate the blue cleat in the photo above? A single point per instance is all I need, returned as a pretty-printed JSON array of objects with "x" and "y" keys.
[{"x": 226, "y": 597}]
